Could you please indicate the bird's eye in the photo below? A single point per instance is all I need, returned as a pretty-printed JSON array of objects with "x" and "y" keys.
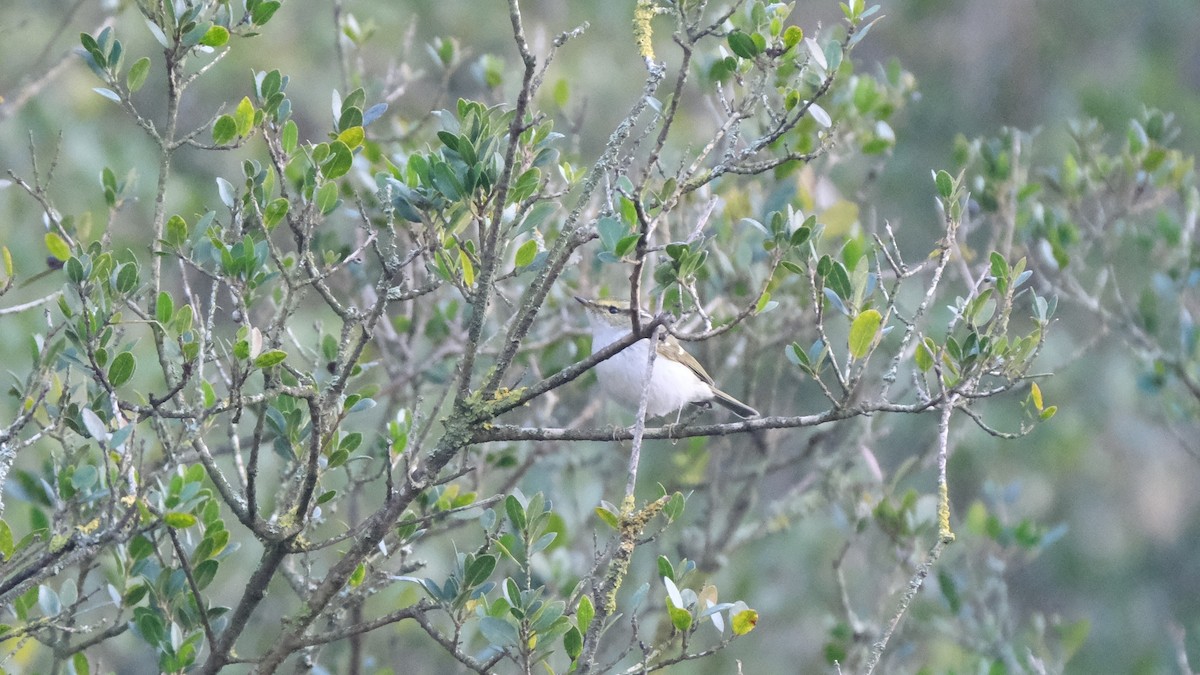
[{"x": 613, "y": 310}]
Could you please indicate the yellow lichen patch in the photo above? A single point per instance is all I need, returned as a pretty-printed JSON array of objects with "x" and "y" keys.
[
  {"x": 944, "y": 513},
  {"x": 642, "y": 32},
  {"x": 89, "y": 527}
]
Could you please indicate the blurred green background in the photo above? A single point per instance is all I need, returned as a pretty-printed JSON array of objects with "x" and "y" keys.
[{"x": 1117, "y": 471}]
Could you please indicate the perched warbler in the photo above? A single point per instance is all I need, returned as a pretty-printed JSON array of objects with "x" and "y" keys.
[{"x": 677, "y": 379}]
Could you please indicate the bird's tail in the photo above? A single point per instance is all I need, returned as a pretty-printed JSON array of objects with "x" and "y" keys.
[{"x": 740, "y": 409}]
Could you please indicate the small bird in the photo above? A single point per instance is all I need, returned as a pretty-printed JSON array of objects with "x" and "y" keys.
[{"x": 677, "y": 380}]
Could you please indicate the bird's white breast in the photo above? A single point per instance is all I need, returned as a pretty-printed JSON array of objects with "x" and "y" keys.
[{"x": 672, "y": 384}]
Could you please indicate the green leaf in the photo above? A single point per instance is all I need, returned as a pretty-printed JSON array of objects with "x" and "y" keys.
[
  {"x": 57, "y": 246},
  {"x": 351, "y": 441},
  {"x": 585, "y": 611},
  {"x": 1035, "y": 395},
  {"x": 762, "y": 302},
  {"x": 792, "y": 36},
  {"x": 742, "y": 44},
  {"x": 164, "y": 308},
  {"x": 446, "y": 182},
  {"x": 339, "y": 160},
  {"x": 6, "y": 541},
  {"x": 665, "y": 569},
  {"x": 137, "y": 74},
  {"x": 178, "y": 520},
  {"x": 204, "y": 550},
  {"x": 351, "y": 116},
  {"x": 796, "y": 354},
  {"x": 1072, "y": 636},
  {"x": 193, "y": 31},
  {"x": 760, "y": 42},
  {"x": 674, "y": 507},
  {"x": 468, "y": 269},
  {"x": 194, "y": 474},
  {"x": 263, "y": 12},
  {"x": 863, "y": 332},
  {"x": 271, "y": 357},
  {"x": 89, "y": 43},
  {"x": 516, "y": 513},
  {"x": 999, "y": 265},
  {"x": 111, "y": 190},
  {"x": 224, "y": 130},
  {"x": 945, "y": 184},
  {"x": 327, "y": 198},
  {"x": 358, "y": 575},
  {"x": 573, "y": 643},
  {"x": 448, "y": 139},
  {"x": 480, "y": 569},
  {"x": 243, "y": 116},
  {"x": 121, "y": 369},
  {"x": 626, "y": 245},
  {"x": 608, "y": 517},
  {"x": 274, "y": 212},
  {"x": 270, "y": 84},
  {"x": 291, "y": 135},
  {"x": 352, "y": 137},
  {"x": 525, "y": 185},
  {"x": 205, "y": 572},
  {"x": 680, "y": 618},
  {"x": 177, "y": 231},
  {"x": 337, "y": 458},
  {"x": 80, "y": 662},
  {"x": 140, "y": 547},
  {"x": 215, "y": 36},
  {"x": 800, "y": 236},
  {"x": 218, "y": 539},
  {"x": 824, "y": 266},
  {"x": 149, "y": 624},
  {"x": 924, "y": 354},
  {"x": 839, "y": 280},
  {"x": 526, "y": 253}
]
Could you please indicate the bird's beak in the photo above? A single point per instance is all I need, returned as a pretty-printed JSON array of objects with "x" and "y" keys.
[{"x": 581, "y": 301}]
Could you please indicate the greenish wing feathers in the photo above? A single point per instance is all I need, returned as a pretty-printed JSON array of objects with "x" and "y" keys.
[{"x": 671, "y": 347}]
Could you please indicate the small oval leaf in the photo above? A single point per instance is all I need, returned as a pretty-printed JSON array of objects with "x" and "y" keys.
[
  {"x": 526, "y": 253},
  {"x": 270, "y": 358},
  {"x": 137, "y": 74},
  {"x": 224, "y": 130},
  {"x": 744, "y": 621},
  {"x": 863, "y": 332},
  {"x": 121, "y": 369},
  {"x": 215, "y": 36},
  {"x": 58, "y": 247},
  {"x": 176, "y": 520},
  {"x": 945, "y": 184},
  {"x": 742, "y": 44}
]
